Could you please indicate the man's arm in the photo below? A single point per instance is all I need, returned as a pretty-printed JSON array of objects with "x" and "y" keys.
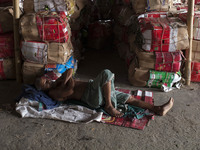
[
  {"x": 61, "y": 93},
  {"x": 64, "y": 78},
  {"x": 67, "y": 75}
]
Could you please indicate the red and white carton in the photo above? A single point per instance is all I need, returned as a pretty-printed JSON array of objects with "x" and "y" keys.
[
  {"x": 167, "y": 34},
  {"x": 195, "y": 71},
  {"x": 53, "y": 27},
  {"x": 6, "y": 45},
  {"x": 154, "y": 15},
  {"x": 168, "y": 61},
  {"x": 33, "y": 51}
]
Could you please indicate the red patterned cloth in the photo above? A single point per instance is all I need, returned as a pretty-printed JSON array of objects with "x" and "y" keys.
[
  {"x": 53, "y": 27},
  {"x": 132, "y": 122}
]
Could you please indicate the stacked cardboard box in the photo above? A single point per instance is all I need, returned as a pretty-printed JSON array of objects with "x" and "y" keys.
[
  {"x": 150, "y": 41},
  {"x": 7, "y": 66},
  {"x": 46, "y": 37},
  {"x": 195, "y": 65}
]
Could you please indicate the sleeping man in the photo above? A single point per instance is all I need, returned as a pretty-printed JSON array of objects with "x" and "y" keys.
[{"x": 96, "y": 93}]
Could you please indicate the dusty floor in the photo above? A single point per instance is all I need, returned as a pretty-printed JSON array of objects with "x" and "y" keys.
[{"x": 179, "y": 129}]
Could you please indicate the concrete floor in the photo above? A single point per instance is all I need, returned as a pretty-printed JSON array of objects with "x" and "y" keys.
[{"x": 179, "y": 129}]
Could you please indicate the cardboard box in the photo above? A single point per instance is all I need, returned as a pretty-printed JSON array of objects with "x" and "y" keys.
[
  {"x": 167, "y": 34},
  {"x": 31, "y": 71},
  {"x": 6, "y": 19}
]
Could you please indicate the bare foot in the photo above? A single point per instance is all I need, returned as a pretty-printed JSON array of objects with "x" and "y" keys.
[
  {"x": 162, "y": 110},
  {"x": 112, "y": 111}
]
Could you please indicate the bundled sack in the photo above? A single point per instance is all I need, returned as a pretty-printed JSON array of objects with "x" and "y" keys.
[
  {"x": 160, "y": 61},
  {"x": 43, "y": 53},
  {"x": 79, "y": 5},
  {"x": 31, "y": 6},
  {"x": 196, "y": 50},
  {"x": 53, "y": 27},
  {"x": 166, "y": 81},
  {"x": 195, "y": 71},
  {"x": 31, "y": 71},
  {"x": 123, "y": 15},
  {"x": 6, "y": 19},
  {"x": 7, "y": 69},
  {"x": 141, "y": 6},
  {"x": 137, "y": 76},
  {"x": 99, "y": 34},
  {"x": 167, "y": 34},
  {"x": 6, "y": 45},
  {"x": 196, "y": 23}
]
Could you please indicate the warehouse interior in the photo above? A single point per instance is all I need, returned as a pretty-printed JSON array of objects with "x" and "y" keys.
[{"x": 178, "y": 129}]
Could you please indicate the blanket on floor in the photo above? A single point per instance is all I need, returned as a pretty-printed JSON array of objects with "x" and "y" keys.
[
  {"x": 36, "y": 104},
  {"x": 133, "y": 121}
]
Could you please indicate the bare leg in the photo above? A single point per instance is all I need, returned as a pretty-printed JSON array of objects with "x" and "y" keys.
[
  {"x": 159, "y": 110},
  {"x": 108, "y": 106}
]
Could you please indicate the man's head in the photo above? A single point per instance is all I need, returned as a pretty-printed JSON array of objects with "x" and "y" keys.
[{"x": 42, "y": 83}]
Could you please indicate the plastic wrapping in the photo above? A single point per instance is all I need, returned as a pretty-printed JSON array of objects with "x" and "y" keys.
[
  {"x": 167, "y": 34},
  {"x": 164, "y": 80},
  {"x": 31, "y": 6}
]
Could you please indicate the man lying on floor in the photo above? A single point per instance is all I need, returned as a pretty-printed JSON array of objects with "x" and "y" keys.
[{"x": 96, "y": 93}]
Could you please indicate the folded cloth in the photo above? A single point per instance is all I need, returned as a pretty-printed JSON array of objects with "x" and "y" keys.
[{"x": 33, "y": 94}]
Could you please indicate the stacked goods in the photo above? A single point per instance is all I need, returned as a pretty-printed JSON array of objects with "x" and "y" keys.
[
  {"x": 7, "y": 65},
  {"x": 46, "y": 37},
  {"x": 124, "y": 18},
  {"x": 101, "y": 10},
  {"x": 167, "y": 34},
  {"x": 157, "y": 47},
  {"x": 142, "y": 6},
  {"x": 195, "y": 70},
  {"x": 31, "y": 6},
  {"x": 4, "y": 3},
  {"x": 100, "y": 27},
  {"x": 99, "y": 34},
  {"x": 78, "y": 23}
]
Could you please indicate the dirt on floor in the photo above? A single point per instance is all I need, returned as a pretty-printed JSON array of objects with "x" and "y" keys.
[{"x": 179, "y": 129}]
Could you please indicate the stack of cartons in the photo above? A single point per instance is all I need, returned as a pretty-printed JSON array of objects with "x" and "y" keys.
[
  {"x": 124, "y": 18},
  {"x": 7, "y": 66},
  {"x": 195, "y": 64},
  {"x": 100, "y": 25},
  {"x": 46, "y": 37},
  {"x": 157, "y": 44}
]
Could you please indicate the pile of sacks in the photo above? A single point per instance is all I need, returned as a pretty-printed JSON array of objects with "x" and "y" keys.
[
  {"x": 46, "y": 38},
  {"x": 151, "y": 42},
  {"x": 7, "y": 65},
  {"x": 195, "y": 64}
]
